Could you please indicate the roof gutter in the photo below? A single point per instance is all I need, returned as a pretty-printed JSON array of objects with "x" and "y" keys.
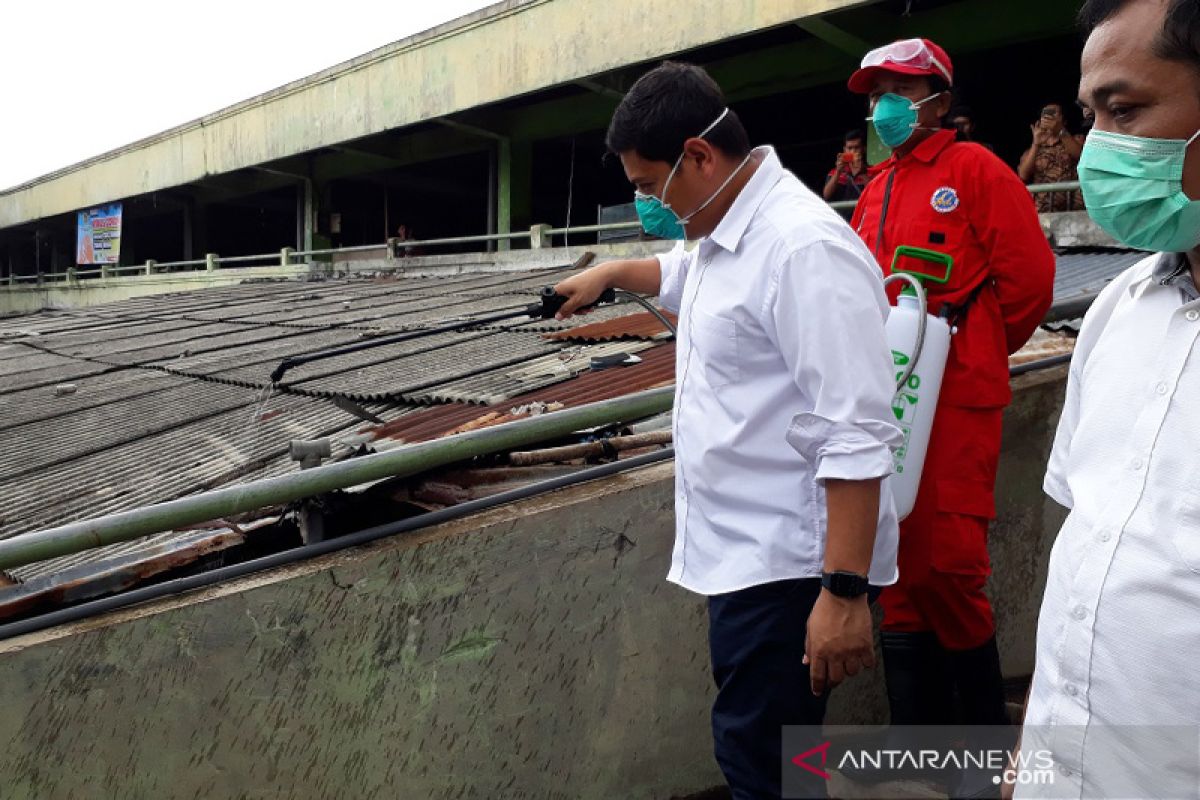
[{"x": 28, "y": 548}]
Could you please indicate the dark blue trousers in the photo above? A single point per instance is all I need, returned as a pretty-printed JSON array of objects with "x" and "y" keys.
[{"x": 756, "y": 637}]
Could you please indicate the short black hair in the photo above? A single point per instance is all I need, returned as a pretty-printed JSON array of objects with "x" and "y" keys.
[
  {"x": 669, "y": 105},
  {"x": 1179, "y": 39},
  {"x": 857, "y": 133}
]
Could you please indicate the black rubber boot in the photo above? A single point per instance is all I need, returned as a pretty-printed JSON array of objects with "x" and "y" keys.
[
  {"x": 920, "y": 691},
  {"x": 920, "y": 683},
  {"x": 980, "y": 685},
  {"x": 984, "y": 712}
]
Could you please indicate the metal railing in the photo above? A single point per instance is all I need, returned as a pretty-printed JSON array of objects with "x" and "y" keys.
[{"x": 539, "y": 236}]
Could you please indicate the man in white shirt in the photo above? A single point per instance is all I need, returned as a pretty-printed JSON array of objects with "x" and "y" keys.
[
  {"x": 783, "y": 421},
  {"x": 1115, "y": 700}
]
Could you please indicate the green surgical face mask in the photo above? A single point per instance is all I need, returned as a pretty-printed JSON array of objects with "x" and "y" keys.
[{"x": 1133, "y": 188}]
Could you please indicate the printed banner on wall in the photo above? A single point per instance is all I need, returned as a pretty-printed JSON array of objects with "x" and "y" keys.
[{"x": 99, "y": 240}]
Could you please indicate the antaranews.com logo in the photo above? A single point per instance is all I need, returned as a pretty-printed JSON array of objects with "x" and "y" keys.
[
  {"x": 1053, "y": 761},
  {"x": 1023, "y": 767}
]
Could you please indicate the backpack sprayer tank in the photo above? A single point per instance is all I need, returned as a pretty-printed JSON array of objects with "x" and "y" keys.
[{"x": 920, "y": 345}]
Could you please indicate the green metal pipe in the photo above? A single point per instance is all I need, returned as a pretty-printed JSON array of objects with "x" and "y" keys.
[{"x": 76, "y": 537}]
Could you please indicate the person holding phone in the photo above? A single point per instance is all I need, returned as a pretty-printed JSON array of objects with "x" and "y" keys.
[
  {"x": 849, "y": 175},
  {"x": 1052, "y": 158}
]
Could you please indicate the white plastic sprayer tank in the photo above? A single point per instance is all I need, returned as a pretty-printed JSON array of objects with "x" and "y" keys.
[{"x": 921, "y": 354}]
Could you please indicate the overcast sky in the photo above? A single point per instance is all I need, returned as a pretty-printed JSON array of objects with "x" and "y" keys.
[{"x": 84, "y": 77}]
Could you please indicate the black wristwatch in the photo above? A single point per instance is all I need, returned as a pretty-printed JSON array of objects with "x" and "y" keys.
[{"x": 845, "y": 584}]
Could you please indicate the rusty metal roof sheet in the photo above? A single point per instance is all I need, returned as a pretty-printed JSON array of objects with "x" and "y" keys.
[
  {"x": 657, "y": 368},
  {"x": 643, "y": 325},
  {"x": 106, "y": 570}
]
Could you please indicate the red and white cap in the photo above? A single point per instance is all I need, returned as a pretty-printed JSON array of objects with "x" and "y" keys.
[{"x": 907, "y": 57}]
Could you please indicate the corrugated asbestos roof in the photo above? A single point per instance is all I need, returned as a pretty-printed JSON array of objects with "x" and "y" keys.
[
  {"x": 150, "y": 399},
  {"x": 1082, "y": 274},
  {"x": 154, "y": 398}
]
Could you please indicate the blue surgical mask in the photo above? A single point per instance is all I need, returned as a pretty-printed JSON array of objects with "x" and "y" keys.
[
  {"x": 895, "y": 118},
  {"x": 1133, "y": 189},
  {"x": 657, "y": 216}
]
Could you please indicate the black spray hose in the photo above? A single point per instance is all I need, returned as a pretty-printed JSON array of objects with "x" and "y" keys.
[
  {"x": 179, "y": 585},
  {"x": 295, "y": 361},
  {"x": 637, "y": 298}
]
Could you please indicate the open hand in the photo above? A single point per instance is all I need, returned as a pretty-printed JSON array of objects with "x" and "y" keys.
[{"x": 1041, "y": 136}]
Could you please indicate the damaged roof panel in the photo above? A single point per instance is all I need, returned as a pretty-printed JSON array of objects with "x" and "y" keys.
[
  {"x": 101, "y": 571},
  {"x": 657, "y": 368}
]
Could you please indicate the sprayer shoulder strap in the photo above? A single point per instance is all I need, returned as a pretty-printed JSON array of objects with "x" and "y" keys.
[{"x": 956, "y": 312}]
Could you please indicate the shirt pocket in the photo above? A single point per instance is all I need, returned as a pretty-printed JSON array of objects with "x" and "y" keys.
[
  {"x": 715, "y": 340},
  {"x": 1185, "y": 534}
]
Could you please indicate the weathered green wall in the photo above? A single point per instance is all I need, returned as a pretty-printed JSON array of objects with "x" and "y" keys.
[{"x": 534, "y": 651}]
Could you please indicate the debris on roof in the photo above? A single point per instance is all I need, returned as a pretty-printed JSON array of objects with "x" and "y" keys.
[
  {"x": 98, "y": 572},
  {"x": 657, "y": 368}
]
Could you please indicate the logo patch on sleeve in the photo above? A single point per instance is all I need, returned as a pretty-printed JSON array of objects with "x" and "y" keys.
[{"x": 944, "y": 200}]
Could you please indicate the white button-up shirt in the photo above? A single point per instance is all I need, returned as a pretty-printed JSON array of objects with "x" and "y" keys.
[
  {"x": 1116, "y": 690},
  {"x": 783, "y": 379}
]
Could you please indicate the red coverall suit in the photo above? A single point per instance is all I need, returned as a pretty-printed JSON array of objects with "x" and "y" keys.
[{"x": 960, "y": 199}]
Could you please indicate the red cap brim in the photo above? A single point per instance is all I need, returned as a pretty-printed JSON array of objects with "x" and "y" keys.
[{"x": 861, "y": 81}]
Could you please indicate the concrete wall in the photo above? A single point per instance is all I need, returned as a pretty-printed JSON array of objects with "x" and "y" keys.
[
  {"x": 1075, "y": 229},
  {"x": 508, "y": 50},
  {"x": 533, "y": 651}
]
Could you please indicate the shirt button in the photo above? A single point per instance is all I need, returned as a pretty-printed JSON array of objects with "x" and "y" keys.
[
  {"x": 1079, "y": 613},
  {"x": 1136, "y": 464},
  {"x": 1192, "y": 315},
  {"x": 1066, "y": 772},
  {"x": 1104, "y": 535},
  {"x": 1070, "y": 689},
  {"x": 1162, "y": 388}
]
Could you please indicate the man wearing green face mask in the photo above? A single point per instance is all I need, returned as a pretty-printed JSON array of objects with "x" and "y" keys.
[
  {"x": 941, "y": 660},
  {"x": 783, "y": 426},
  {"x": 1119, "y": 629}
]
